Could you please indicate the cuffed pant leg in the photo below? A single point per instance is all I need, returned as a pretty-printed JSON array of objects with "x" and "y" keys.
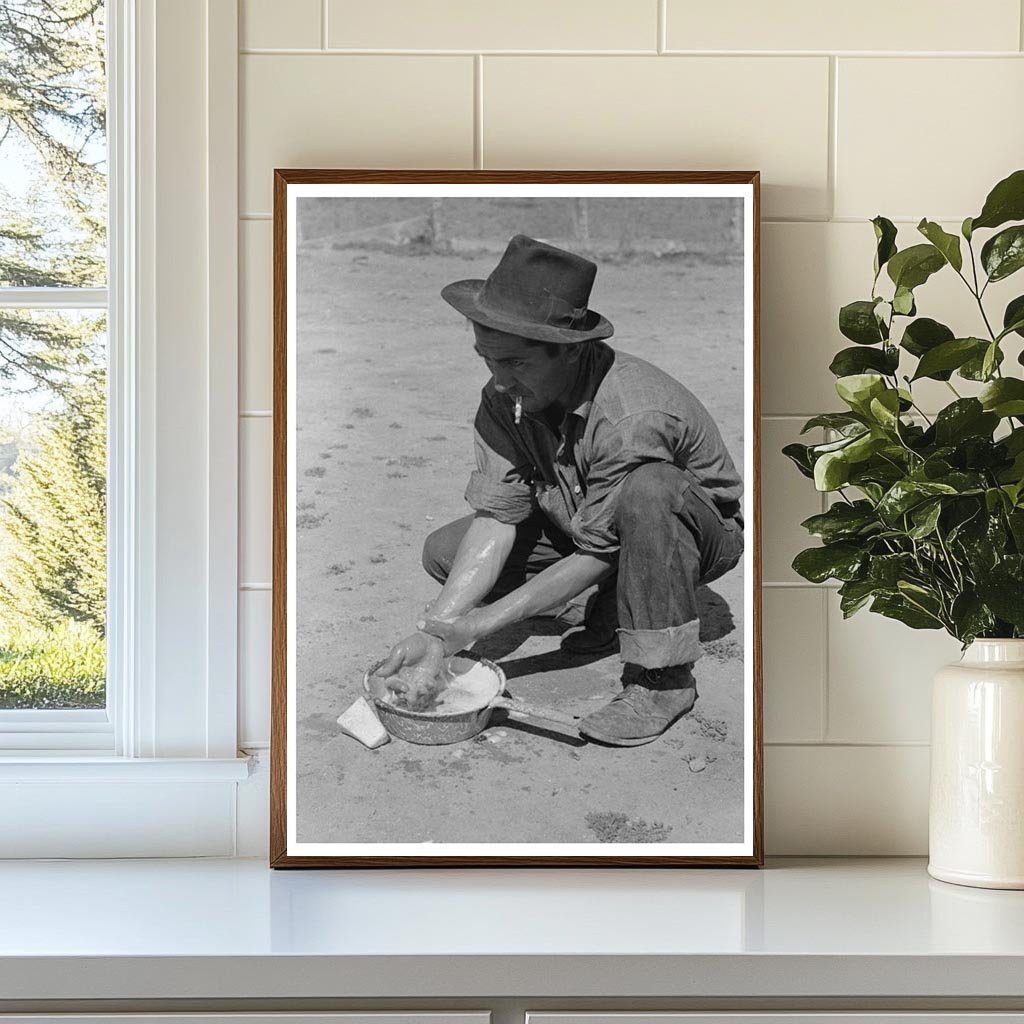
[{"x": 672, "y": 538}]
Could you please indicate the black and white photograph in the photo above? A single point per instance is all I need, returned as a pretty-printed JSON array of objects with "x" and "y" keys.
[{"x": 515, "y": 520}]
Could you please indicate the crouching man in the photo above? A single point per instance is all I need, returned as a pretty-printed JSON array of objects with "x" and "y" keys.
[{"x": 594, "y": 470}]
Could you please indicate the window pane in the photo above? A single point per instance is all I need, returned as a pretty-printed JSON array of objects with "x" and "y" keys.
[
  {"x": 53, "y": 150},
  {"x": 52, "y": 509}
]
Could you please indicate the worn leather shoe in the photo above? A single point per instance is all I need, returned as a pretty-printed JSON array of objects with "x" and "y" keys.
[{"x": 645, "y": 709}]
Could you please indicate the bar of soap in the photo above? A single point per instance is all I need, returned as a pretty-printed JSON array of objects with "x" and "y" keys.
[{"x": 361, "y": 723}]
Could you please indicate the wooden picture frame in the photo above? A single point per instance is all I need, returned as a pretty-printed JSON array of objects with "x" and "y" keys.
[{"x": 375, "y": 383}]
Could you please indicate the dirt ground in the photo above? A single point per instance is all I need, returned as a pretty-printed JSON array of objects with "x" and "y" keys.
[{"x": 387, "y": 389}]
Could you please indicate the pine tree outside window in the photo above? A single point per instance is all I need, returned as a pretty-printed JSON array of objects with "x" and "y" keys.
[{"x": 53, "y": 365}]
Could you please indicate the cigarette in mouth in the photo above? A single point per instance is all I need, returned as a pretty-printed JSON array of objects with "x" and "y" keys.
[{"x": 519, "y": 409}]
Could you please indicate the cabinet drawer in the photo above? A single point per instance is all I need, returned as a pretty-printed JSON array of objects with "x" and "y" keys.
[
  {"x": 362, "y": 1017},
  {"x": 788, "y": 1017}
]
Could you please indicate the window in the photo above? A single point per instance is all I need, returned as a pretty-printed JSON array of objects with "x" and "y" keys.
[
  {"x": 53, "y": 370},
  {"x": 155, "y": 771}
]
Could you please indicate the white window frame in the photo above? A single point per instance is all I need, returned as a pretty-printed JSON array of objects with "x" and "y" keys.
[{"x": 172, "y": 470}]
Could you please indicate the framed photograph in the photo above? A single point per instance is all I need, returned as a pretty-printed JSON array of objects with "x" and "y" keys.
[{"x": 516, "y": 614}]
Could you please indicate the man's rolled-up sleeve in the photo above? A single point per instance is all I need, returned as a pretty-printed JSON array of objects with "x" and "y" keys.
[
  {"x": 501, "y": 485},
  {"x": 618, "y": 450}
]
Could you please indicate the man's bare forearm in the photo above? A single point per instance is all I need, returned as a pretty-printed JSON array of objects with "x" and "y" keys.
[
  {"x": 548, "y": 589},
  {"x": 479, "y": 560}
]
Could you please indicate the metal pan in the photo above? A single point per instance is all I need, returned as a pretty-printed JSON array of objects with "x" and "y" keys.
[{"x": 432, "y": 727}]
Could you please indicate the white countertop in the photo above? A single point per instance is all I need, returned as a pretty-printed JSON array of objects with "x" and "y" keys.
[{"x": 233, "y": 928}]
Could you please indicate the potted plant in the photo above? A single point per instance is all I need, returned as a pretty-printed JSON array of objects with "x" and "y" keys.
[{"x": 927, "y": 521}]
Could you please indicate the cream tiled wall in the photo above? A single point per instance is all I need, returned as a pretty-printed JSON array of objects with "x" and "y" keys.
[{"x": 909, "y": 110}]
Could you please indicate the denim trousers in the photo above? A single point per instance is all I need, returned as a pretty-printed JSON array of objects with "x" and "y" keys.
[{"x": 672, "y": 538}]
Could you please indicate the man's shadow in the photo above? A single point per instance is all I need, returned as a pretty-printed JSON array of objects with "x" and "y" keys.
[{"x": 716, "y": 621}]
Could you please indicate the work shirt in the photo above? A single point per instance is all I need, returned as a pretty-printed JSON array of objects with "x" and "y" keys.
[{"x": 623, "y": 412}]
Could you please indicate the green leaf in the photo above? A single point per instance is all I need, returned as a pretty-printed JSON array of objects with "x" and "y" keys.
[
  {"x": 872, "y": 491},
  {"x": 1002, "y": 595},
  {"x": 1004, "y": 397},
  {"x": 912, "y": 267},
  {"x": 858, "y": 389},
  {"x": 991, "y": 360},
  {"x": 899, "y": 608},
  {"x": 1013, "y": 318},
  {"x": 1013, "y": 474},
  {"x": 970, "y": 617},
  {"x": 964, "y": 482},
  {"x": 818, "y": 450},
  {"x": 923, "y": 335},
  {"x": 966, "y": 417},
  {"x": 965, "y": 228},
  {"x": 903, "y": 302},
  {"x": 925, "y": 518},
  {"x": 882, "y": 471},
  {"x": 1005, "y": 202},
  {"x": 907, "y": 494},
  {"x": 857, "y": 321},
  {"x": 843, "y": 521},
  {"x": 949, "y": 356},
  {"x": 934, "y": 467},
  {"x": 1015, "y": 492},
  {"x": 1015, "y": 519},
  {"x": 947, "y": 244},
  {"x": 1003, "y": 254},
  {"x": 854, "y": 594},
  {"x": 865, "y": 446},
  {"x": 840, "y": 561},
  {"x": 995, "y": 499},
  {"x": 831, "y": 471},
  {"x": 974, "y": 368},
  {"x": 1017, "y": 326},
  {"x": 885, "y": 236},
  {"x": 885, "y": 409},
  {"x": 887, "y": 570},
  {"x": 982, "y": 538},
  {"x": 850, "y": 361},
  {"x": 800, "y": 456},
  {"x": 840, "y": 421}
]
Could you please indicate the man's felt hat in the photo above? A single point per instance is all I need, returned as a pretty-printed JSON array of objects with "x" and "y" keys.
[{"x": 536, "y": 291}]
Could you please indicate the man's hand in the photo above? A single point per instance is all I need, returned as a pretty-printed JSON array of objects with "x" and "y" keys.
[
  {"x": 454, "y": 634},
  {"x": 415, "y": 671},
  {"x": 420, "y": 654}
]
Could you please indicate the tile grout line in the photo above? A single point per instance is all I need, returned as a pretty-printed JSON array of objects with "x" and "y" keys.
[
  {"x": 826, "y": 652},
  {"x": 823, "y": 683},
  {"x": 662, "y": 42},
  {"x": 846, "y": 744},
  {"x": 831, "y": 171},
  {"x": 1020, "y": 24},
  {"x": 478, "y": 111},
  {"x": 323, "y": 25},
  {"x": 298, "y": 51},
  {"x": 799, "y": 585}
]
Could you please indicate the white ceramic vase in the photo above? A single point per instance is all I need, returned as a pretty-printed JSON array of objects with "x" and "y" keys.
[{"x": 976, "y": 814}]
